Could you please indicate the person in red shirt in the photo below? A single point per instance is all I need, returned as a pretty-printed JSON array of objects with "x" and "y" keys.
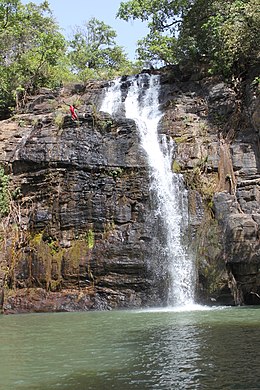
[{"x": 74, "y": 115}]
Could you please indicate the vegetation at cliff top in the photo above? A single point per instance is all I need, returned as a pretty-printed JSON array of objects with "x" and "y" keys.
[
  {"x": 94, "y": 52},
  {"x": 225, "y": 35},
  {"x": 35, "y": 54},
  {"x": 32, "y": 50}
]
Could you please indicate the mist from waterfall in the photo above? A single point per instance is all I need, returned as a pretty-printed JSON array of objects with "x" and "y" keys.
[{"x": 142, "y": 105}]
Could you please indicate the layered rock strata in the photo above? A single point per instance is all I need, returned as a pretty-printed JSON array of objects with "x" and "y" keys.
[{"x": 79, "y": 232}]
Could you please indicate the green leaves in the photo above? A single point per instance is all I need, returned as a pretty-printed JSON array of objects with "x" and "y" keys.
[
  {"x": 163, "y": 18},
  {"x": 156, "y": 48},
  {"x": 94, "y": 47},
  {"x": 226, "y": 34},
  {"x": 34, "y": 53},
  {"x": 233, "y": 36},
  {"x": 4, "y": 193},
  {"x": 31, "y": 45}
]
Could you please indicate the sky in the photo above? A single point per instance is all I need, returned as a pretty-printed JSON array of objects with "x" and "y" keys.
[{"x": 71, "y": 13}]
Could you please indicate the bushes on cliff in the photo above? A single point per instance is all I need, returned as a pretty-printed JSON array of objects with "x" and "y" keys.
[{"x": 4, "y": 193}]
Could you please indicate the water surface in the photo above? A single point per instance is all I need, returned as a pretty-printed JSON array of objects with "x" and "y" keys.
[{"x": 154, "y": 349}]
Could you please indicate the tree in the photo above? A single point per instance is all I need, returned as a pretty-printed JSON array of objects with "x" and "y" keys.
[
  {"x": 94, "y": 49},
  {"x": 164, "y": 18},
  {"x": 226, "y": 33},
  {"x": 32, "y": 50},
  {"x": 156, "y": 48}
]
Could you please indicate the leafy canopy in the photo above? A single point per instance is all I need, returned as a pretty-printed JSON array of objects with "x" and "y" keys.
[
  {"x": 34, "y": 53},
  {"x": 225, "y": 33},
  {"x": 32, "y": 50},
  {"x": 93, "y": 50}
]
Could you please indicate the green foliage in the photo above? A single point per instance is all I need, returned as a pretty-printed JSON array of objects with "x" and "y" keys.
[
  {"x": 59, "y": 119},
  {"x": 90, "y": 238},
  {"x": 176, "y": 167},
  {"x": 4, "y": 193},
  {"x": 163, "y": 18},
  {"x": 156, "y": 48},
  {"x": 34, "y": 53},
  {"x": 116, "y": 173},
  {"x": 53, "y": 245},
  {"x": 32, "y": 50},
  {"x": 160, "y": 14},
  {"x": 225, "y": 34},
  {"x": 94, "y": 51},
  {"x": 256, "y": 81}
]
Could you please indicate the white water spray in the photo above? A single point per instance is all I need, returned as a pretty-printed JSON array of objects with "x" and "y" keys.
[{"x": 142, "y": 105}]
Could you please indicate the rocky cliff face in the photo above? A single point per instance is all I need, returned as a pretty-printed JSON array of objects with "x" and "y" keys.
[
  {"x": 79, "y": 233},
  {"x": 216, "y": 128}
]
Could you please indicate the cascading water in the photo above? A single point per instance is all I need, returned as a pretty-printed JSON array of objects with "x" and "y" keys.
[{"x": 142, "y": 105}]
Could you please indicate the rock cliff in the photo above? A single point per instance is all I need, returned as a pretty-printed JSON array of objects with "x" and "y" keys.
[
  {"x": 217, "y": 131},
  {"x": 76, "y": 228}
]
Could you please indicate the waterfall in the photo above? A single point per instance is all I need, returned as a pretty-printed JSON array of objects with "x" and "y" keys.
[{"x": 142, "y": 104}]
